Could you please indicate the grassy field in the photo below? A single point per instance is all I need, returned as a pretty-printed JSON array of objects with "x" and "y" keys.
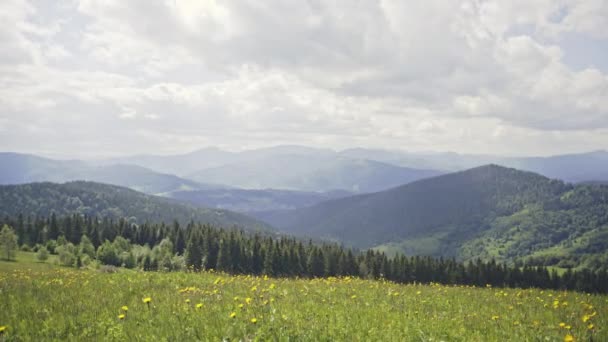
[{"x": 40, "y": 302}]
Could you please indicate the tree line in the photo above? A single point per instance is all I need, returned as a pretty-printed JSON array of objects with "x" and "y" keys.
[{"x": 79, "y": 240}]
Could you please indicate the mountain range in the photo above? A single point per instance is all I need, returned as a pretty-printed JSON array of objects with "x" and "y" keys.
[{"x": 489, "y": 212}]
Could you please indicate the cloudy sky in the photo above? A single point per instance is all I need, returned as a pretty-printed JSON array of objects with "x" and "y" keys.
[{"x": 113, "y": 77}]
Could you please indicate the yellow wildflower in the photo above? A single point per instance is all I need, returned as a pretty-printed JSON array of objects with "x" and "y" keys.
[
  {"x": 121, "y": 316},
  {"x": 124, "y": 308},
  {"x": 199, "y": 305},
  {"x": 2, "y": 329},
  {"x": 590, "y": 326},
  {"x": 233, "y": 314},
  {"x": 147, "y": 300},
  {"x": 494, "y": 318},
  {"x": 248, "y": 300},
  {"x": 188, "y": 301},
  {"x": 568, "y": 338},
  {"x": 562, "y": 325},
  {"x": 254, "y": 320}
]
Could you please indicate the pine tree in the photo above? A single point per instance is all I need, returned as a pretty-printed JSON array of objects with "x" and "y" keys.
[
  {"x": 223, "y": 257},
  {"x": 194, "y": 251}
]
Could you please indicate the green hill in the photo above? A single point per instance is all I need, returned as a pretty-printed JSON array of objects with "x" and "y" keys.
[
  {"x": 489, "y": 211},
  {"x": 96, "y": 199}
]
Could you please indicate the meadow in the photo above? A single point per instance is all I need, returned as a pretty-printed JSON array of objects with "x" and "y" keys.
[{"x": 43, "y": 302}]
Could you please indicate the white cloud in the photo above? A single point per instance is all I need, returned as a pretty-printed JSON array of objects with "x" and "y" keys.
[{"x": 468, "y": 75}]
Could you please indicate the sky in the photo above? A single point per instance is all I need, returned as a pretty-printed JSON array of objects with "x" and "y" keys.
[{"x": 88, "y": 78}]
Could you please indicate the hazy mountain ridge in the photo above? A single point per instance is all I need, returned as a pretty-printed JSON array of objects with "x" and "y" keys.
[
  {"x": 22, "y": 168},
  {"x": 312, "y": 173},
  {"x": 573, "y": 167},
  {"x": 96, "y": 199}
]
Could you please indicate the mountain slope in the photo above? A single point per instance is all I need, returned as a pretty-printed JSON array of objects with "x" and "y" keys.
[
  {"x": 311, "y": 173},
  {"x": 490, "y": 212},
  {"x": 41, "y": 199},
  {"x": 23, "y": 168},
  {"x": 254, "y": 200},
  {"x": 457, "y": 203}
]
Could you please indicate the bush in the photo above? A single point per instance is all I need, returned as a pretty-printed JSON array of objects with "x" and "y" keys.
[
  {"x": 67, "y": 254},
  {"x": 106, "y": 254},
  {"x": 42, "y": 254}
]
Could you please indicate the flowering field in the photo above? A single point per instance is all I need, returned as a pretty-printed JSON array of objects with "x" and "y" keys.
[{"x": 67, "y": 304}]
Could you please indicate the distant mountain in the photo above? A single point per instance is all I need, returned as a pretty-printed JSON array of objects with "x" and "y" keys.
[
  {"x": 211, "y": 157},
  {"x": 591, "y": 166},
  {"x": 96, "y": 199},
  {"x": 311, "y": 172},
  {"x": 23, "y": 168},
  {"x": 179, "y": 164},
  {"x": 489, "y": 211},
  {"x": 245, "y": 201}
]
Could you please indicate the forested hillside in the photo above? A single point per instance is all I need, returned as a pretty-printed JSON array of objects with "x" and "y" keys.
[
  {"x": 490, "y": 211},
  {"x": 114, "y": 202},
  {"x": 456, "y": 202}
]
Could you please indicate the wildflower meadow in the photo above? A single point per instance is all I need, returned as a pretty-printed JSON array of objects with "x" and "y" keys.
[{"x": 65, "y": 304}]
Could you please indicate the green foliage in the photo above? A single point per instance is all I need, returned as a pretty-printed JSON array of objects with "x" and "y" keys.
[
  {"x": 42, "y": 254},
  {"x": 8, "y": 242},
  {"x": 239, "y": 252},
  {"x": 67, "y": 254},
  {"x": 106, "y": 254},
  {"x": 110, "y": 202}
]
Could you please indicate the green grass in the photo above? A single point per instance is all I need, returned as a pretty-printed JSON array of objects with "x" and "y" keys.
[
  {"x": 27, "y": 260},
  {"x": 62, "y": 304}
]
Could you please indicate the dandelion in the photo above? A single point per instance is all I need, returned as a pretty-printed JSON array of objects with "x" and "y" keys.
[
  {"x": 254, "y": 320},
  {"x": 248, "y": 300},
  {"x": 495, "y": 318},
  {"x": 233, "y": 314},
  {"x": 586, "y": 318},
  {"x": 199, "y": 305},
  {"x": 188, "y": 301},
  {"x": 147, "y": 300},
  {"x": 590, "y": 326},
  {"x": 121, "y": 316},
  {"x": 124, "y": 308},
  {"x": 568, "y": 338},
  {"x": 2, "y": 329},
  {"x": 562, "y": 325}
]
